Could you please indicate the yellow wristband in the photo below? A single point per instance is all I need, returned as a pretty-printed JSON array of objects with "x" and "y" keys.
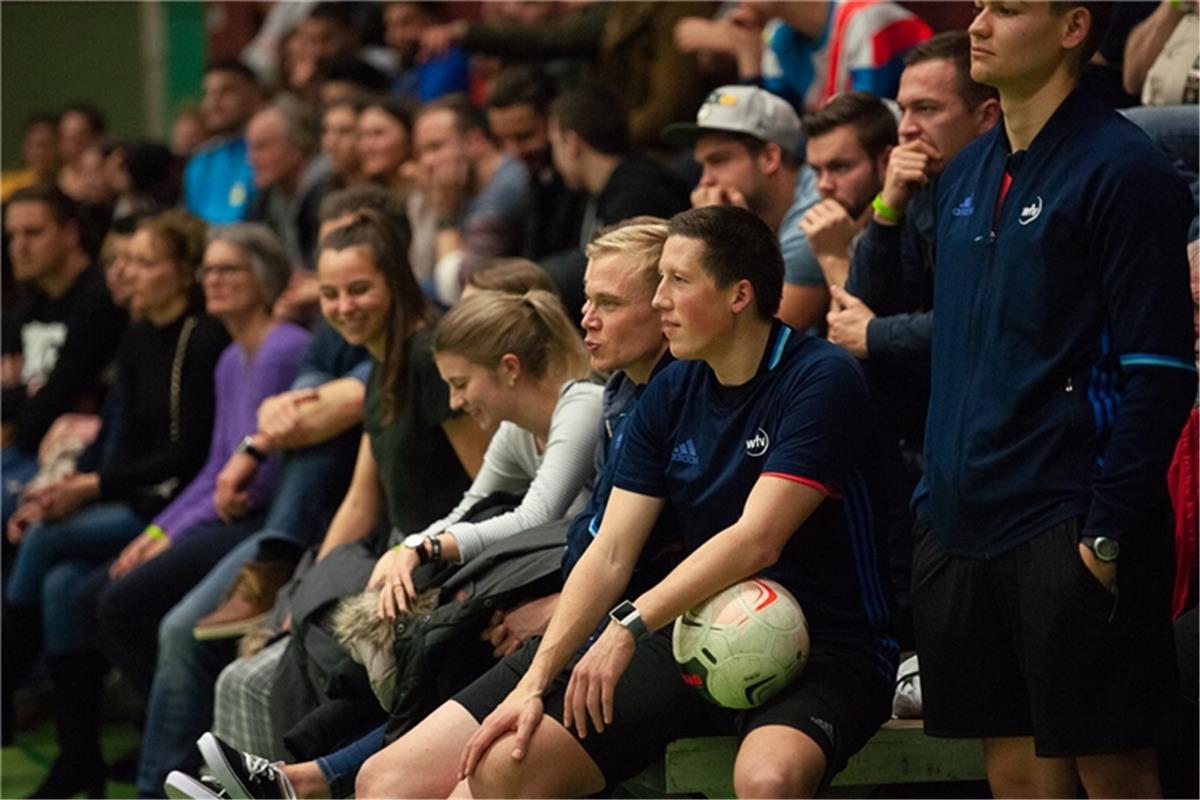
[
  {"x": 886, "y": 211},
  {"x": 155, "y": 532}
]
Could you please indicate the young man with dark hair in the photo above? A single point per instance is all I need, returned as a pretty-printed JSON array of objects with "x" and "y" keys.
[
  {"x": 773, "y": 484},
  {"x": 589, "y": 144},
  {"x": 61, "y": 337},
  {"x": 1062, "y": 373},
  {"x": 516, "y": 109},
  {"x": 849, "y": 140},
  {"x": 218, "y": 182}
]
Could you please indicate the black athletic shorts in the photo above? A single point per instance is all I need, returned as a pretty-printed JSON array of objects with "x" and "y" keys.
[
  {"x": 839, "y": 701},
  {"x": 1029, "y": 643}
]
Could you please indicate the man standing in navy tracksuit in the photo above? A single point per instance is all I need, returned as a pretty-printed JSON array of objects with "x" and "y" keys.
[{"x": 1062, "y": 372}]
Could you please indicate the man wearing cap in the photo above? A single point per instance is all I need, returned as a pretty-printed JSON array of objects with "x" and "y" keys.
[{"x": 749, "y": 145}]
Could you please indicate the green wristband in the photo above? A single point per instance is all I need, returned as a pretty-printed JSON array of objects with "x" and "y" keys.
[
  {"x": 886, "y": 211},
  {"x": 155, "y": 532}
]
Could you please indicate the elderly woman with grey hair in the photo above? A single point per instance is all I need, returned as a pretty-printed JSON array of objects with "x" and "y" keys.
[{"x": 243, "y": 272}]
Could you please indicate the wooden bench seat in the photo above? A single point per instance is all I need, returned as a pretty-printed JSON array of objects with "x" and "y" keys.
[{"x": 899, "y": 753}]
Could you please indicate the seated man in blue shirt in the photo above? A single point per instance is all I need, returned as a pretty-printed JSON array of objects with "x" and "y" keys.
[{"x": 774, "y": 482}]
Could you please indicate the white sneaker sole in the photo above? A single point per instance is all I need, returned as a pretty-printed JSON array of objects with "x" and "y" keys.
[
  {"x": 214, "y": 757},
  {"x": 181, "y": 786}
]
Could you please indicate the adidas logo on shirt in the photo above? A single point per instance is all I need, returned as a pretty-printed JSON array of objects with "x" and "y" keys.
[
  {"x": 686, "y": 453},
  {"x": 966, "y": 208}
]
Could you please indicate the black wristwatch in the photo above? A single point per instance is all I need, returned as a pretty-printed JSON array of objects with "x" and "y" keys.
[
  {"x": 628, "y": 617},
  {"x": 246, "y": 445},
  {"x": 1103, "y": 548}
]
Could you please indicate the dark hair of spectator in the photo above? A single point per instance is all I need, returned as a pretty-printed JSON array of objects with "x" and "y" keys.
[
  {"x": 40, "y": 118},
  {"x": 353, "y": 101},
  {"x": 351, "y": 69},
  {"x": 397, "y": 108},
  {"x": 1101, "y": 13},
  {"x": 154, "y": 171},
  {"x": 434, "y": 11},
  {"x": 486, "y": 326},
  {"x": 754, "y": 146},
  {"x": 337, "y": 13},
  {"x": 737, "y": 245},
  {"x": 388, "y": 246},
  {"x": 596, "y": 113},
  {"x": 513, "y": 276},
  {"x": 467, "y": 117},
  {"x": 366, "y": 196},
  {"x": 234, "y": 66},
  {"x": 60, "y": 205},
  {"x": 873, "y": 121},
  {"x": 522, "y": 85},
  {"x": 955, "y": 47},
  {"x": 93, "y": 115},
  {"x": 126, "y": 224}
]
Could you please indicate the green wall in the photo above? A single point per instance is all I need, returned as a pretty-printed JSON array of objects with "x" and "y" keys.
[{"x": 54, "y": 52}]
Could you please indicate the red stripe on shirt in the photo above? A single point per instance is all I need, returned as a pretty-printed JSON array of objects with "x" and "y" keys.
[
  {"x": 1005, "y": 183},
  {"x": 828, "y": 491},
  {"x": 898, "y": 37}
]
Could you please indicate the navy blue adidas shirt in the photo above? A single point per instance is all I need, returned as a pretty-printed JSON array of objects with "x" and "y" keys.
[
  {"x": 1062, "y": 347},
  {"x": 803, "y": 417}
]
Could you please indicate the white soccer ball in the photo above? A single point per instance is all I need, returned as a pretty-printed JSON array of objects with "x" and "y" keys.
[{"x": 743, "y": 645}]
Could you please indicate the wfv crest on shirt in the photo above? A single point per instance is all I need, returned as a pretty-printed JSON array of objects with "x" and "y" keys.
[
  {"x": 757, "y": 445},
  {"x": 1031, "y": 212}
]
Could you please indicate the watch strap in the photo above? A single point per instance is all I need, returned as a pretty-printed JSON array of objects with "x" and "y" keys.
[{"x": 246, "y": 445}]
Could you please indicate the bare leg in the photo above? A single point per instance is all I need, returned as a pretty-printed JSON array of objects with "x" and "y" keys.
[
  {"x": 1014, "y": 770},
  {"x": 308, "y": 780},
  {"x": 423, "y": 762},
  {"x": 778, "y": 761},
  {"x": 1133, "y": 774},
  {"x": 556, "y": 765}
]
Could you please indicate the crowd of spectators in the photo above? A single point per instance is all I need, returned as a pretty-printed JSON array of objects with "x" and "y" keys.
[{"x": 380, "y": 314}]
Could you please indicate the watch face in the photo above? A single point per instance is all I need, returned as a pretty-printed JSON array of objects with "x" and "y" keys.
[
  {"x": 623, "y": 611},
  {"x": 1106, "y": 549},
  {"x": 414, "y": 540}
]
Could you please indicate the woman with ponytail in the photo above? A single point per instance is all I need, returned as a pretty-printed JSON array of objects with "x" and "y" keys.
[{"x": 517, "y": 361}]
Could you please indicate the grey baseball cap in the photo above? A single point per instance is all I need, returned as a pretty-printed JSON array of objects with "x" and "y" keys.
[{"x": 740, "y": 109}]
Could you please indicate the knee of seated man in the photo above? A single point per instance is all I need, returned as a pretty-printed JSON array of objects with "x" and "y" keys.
[
  {"x": 497, "y": 774},
  {"x": 775, "y": 774},
  {"x": 779, "y": 779}
]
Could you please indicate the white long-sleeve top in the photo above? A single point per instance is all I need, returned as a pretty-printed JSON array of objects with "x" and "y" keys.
[{"x": 557, "y": 482}]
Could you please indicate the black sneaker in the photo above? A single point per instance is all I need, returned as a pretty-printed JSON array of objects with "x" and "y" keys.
[
  {"x": 245, "y": 776},
  {"x": 181, "y": 786}
]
